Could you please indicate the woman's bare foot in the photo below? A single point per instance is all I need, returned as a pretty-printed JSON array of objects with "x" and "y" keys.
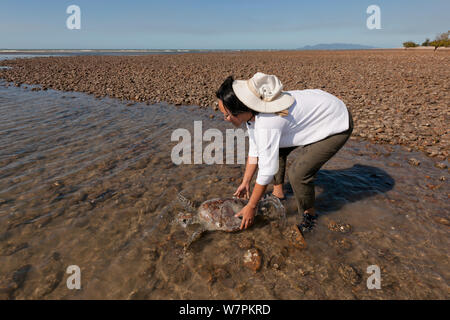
[{"x": 278, "y": 191}]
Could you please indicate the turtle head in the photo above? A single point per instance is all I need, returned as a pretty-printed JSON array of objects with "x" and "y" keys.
[{"x": 185, "y": 218}]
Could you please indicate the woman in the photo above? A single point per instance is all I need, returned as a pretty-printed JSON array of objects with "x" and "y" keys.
[{"x": 278, "y": 122}]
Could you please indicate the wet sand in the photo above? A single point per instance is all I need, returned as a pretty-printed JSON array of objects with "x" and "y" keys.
[
  {"x": 396, "y": 96},
  {"x": 89, "y": 182}
]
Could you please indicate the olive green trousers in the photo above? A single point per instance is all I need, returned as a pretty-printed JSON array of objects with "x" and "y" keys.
[{"x": 309, "y": 160}]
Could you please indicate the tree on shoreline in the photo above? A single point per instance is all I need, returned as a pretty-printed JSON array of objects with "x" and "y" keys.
[
  {"x": 426, "y": 43},
  {"x": 441, "y": 40},
  {"x": 410, "y": 44}
]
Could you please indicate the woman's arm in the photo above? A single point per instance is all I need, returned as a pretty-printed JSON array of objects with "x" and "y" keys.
[
  {"x": 248, "y": 212},
  {"x": 250, "y": 169},
  {"x": 244, "y": 189},
  {"x": 257, "y": 194}
]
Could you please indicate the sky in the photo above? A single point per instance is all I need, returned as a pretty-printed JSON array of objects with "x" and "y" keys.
[{"x": 224, "y": 24}]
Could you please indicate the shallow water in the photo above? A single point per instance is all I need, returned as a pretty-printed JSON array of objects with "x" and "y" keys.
[
  {"x": 18, "y": 54},
  {"x": 21, "y": 55},
  {"x": 90, "y": 182}
]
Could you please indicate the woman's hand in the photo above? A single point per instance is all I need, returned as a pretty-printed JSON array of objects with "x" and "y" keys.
[
  {"x": 248, "y": 215},
  {"x": 243, "y": 191}
]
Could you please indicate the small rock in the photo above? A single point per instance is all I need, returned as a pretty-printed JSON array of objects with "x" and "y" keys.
[
  {"x": 49, "y": 284},
  {"x": 339, "y": 227},
  {"x": 414, "y": 162},
  {"x": 349, "y": 274},
  {"x": 276, "y": 262},
  {"x": 387, "y": 255},
  {"x": 305, "y": 272},
  {"x": 394, "y": 164},
  {"x": 252, "y": 259},
  {"x": 440, "y": 165},
  {"x": 295, "y": 237},
  {"x": 432, "y": 186},
  {"x": 58, "y": 183},
  {"x": 344, "y": 244},
  {"x": 442, "y": 220},
  {"x": 138, "y": 294},
  {"x": 246, "y": 244}
]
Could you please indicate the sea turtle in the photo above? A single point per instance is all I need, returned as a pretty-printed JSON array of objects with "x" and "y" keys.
[{"x": 218, "y": 214}]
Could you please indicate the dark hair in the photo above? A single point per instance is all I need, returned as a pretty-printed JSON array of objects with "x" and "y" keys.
[{"x": 230, "y": 100}]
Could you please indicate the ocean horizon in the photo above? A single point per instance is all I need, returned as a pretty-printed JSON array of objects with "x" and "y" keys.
[{"x": 7, "y": 54}]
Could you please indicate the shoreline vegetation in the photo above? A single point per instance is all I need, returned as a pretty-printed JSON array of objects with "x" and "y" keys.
[
  {"x": 441, "y": 41},
  {"x": 396, "y": 96},
  {"x": 426, "y": 48}
]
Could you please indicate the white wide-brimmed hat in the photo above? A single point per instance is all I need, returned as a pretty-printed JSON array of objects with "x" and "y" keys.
[{"x": 263, "y": 93}]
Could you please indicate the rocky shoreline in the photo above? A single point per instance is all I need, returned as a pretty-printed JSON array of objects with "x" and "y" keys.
[{"x": 396, "y": 96}]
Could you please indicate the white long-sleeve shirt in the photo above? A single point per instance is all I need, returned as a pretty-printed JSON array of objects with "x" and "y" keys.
[{"x": 314, "y": 116}]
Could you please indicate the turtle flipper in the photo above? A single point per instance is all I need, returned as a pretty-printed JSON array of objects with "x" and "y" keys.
[
  {"x": 272, "y": 208},
  {"x": 187, "y": 204},
  {"x": 197, "y": 234}
]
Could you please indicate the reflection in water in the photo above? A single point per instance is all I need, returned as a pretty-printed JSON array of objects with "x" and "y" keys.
[{"x": 90, "y": 182}]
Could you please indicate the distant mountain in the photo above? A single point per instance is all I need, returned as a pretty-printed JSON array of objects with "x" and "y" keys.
[{"x": 336, "y": 46}]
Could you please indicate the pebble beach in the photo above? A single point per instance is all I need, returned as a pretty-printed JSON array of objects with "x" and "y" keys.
[{"x": 397, "y": 97}]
